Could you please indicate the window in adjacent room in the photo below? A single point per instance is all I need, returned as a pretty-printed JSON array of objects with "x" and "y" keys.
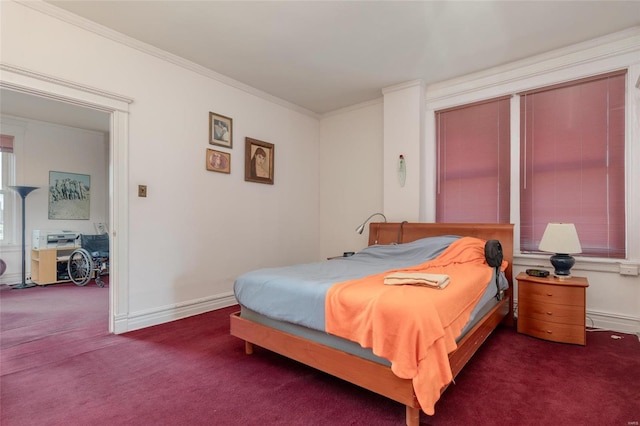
[
  {"x": 473, "y": 157},
  {"x": 7, "y": 198},
  {"x": 572, "y": 163}
]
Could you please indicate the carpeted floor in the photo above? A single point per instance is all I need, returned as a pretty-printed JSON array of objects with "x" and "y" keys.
[{"x": 59, "y": 366}]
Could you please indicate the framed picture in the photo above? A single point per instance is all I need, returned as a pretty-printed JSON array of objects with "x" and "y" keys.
[
  {"x": 258, "y": 161},
  {"x": 101, "y": 228},
  {"x": 69, "y": 195},
  {"x": 218, "y": 161},
  {"x": 220, "y": 130}
]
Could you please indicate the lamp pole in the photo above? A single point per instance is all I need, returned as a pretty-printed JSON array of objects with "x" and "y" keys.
[{"x": 23, "y": 191}]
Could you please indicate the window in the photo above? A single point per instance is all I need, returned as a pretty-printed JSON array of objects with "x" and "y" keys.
[
  {"x": 572, "y": 163},
  {"x": 473, "y": 157},
  {"x": 7, "y": 198}
]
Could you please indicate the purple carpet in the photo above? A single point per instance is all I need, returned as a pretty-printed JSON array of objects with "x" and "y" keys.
[{"x": 59, "y": 366}]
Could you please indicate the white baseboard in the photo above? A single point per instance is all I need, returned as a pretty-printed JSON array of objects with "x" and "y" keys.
[
  {"x": 14, "y": 278},
  {"x": 142, "y": 319},
  {"x": 613, "y": 322}
]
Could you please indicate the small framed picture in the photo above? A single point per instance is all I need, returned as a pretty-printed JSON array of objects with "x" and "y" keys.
[
  {"x": 101, "y": 228},
  {"x": 258, "y": 161},
  {"x": 220, "y": 130},
  {"x": 218, "y": 161}
]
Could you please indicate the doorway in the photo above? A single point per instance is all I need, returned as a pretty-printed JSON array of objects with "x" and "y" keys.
[{"x": 112, "y": 109}]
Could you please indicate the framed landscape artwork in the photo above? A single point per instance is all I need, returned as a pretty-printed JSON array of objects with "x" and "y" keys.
[{"x": 69, "y": 195}]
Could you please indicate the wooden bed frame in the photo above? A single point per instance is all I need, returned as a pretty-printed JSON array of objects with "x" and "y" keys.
[{"x": 371, "y": 375}]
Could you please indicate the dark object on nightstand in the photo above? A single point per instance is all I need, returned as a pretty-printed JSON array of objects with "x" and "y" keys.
[{"x": 537, "y": 273}]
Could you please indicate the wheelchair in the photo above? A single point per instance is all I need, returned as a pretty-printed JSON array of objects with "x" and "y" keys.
[{"x": 91, "y": 260}]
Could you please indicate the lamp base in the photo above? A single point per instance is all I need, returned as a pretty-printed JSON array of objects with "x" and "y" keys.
[
  {"x": 562, "y": 264},
  {"x": 21, "y": 286}
]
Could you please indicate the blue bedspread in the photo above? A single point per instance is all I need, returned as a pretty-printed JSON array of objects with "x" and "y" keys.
[{"x": 296, "y": 294}]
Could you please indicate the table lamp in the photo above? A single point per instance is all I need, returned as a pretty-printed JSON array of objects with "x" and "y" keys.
[{"x": 561, "y": 239}]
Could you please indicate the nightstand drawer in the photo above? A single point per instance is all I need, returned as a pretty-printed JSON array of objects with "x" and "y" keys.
[
  {"x": 548, "y": 293},
  {"x": 552, "y": 331},
  {"x": 551, "y": 312}
]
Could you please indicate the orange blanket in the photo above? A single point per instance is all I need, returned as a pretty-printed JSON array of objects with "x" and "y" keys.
[{"x": 414, "y": 327}]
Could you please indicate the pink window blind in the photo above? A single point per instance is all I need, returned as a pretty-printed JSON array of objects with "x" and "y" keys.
[
  {"x": 473, "y": 157},
  {"x": 6, "y": 143},
  {"x": 572, "y": 163}
]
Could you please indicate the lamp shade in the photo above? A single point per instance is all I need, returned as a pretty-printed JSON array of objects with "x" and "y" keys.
[{"x": 560, "y": 238}]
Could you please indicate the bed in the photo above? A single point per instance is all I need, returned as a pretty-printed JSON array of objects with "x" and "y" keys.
[{"x": 348, "y": 360}]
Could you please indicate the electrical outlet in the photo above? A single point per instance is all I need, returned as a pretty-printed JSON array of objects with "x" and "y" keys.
[
  {"x": 142, "y": 190},
  {"x": 629, "y": 270}
]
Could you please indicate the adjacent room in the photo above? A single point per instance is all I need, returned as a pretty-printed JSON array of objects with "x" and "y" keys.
[{"x": 235, "y": 155}]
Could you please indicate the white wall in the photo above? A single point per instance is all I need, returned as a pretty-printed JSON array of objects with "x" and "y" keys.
[
  {"x": 196, "y": 230},
  {"x": 350, "y": 176},
  {"x": 403, "y": 135},
  {"x": 44, "y": 147}
]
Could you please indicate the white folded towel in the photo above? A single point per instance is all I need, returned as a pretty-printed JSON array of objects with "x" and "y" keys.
[{"x": 416, "y": 278}]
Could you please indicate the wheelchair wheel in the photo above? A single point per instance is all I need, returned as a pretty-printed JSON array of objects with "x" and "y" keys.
[{"x": 80, "y": 267}]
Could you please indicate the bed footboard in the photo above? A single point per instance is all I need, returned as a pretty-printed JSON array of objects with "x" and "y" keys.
[
  {"x": 367, "y": 374},
  {"x": 364, "y": 373}
]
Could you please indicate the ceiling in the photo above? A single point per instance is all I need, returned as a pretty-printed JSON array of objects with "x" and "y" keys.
[
  {"x": 36, "y": 108},
  {"x": 327, "y": 55}
]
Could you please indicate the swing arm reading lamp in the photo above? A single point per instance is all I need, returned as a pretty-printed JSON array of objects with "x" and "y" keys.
[{"x": 360, "y": 228}]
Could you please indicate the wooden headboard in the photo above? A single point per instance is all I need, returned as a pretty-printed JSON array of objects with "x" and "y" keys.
[{"x": 405, "y": 232}]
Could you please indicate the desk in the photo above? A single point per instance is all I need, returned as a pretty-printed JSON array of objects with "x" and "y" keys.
[{"x": 45, "y": 264}]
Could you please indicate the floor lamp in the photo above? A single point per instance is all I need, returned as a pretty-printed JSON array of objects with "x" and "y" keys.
[{"x": 23, "y": 191}]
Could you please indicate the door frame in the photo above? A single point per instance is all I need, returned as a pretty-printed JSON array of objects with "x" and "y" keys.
[{"x": 117, "y": 106}]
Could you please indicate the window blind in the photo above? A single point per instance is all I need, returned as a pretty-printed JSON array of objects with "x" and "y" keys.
[
  {"x": 473, "y": 156},
  {"x": 572, "y": 163},
  {"x": 6, "y": 143}
]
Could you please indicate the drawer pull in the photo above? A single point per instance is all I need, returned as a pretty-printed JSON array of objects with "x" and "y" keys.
[
  {"x": 549, "y": 332},
  {"x": 549, "y": 294},
  {"x": 549, "y": 313}
]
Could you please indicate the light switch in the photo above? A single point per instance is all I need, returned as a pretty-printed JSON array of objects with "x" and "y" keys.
[{"x": 142, "y": 190}]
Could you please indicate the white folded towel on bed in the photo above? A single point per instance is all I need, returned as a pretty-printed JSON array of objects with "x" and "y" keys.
[{"x": 417, "y": 278}]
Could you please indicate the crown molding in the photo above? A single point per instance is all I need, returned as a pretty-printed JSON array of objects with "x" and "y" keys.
[
  {"x": 402, "y": 86},
  {"x": 626, "y": 42},
  {"x": 101, "y": 30},
  {"x": 354, "y": 107}
]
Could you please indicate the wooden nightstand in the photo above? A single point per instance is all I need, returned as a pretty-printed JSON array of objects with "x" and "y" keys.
[{"x": 552, "y": 309}]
